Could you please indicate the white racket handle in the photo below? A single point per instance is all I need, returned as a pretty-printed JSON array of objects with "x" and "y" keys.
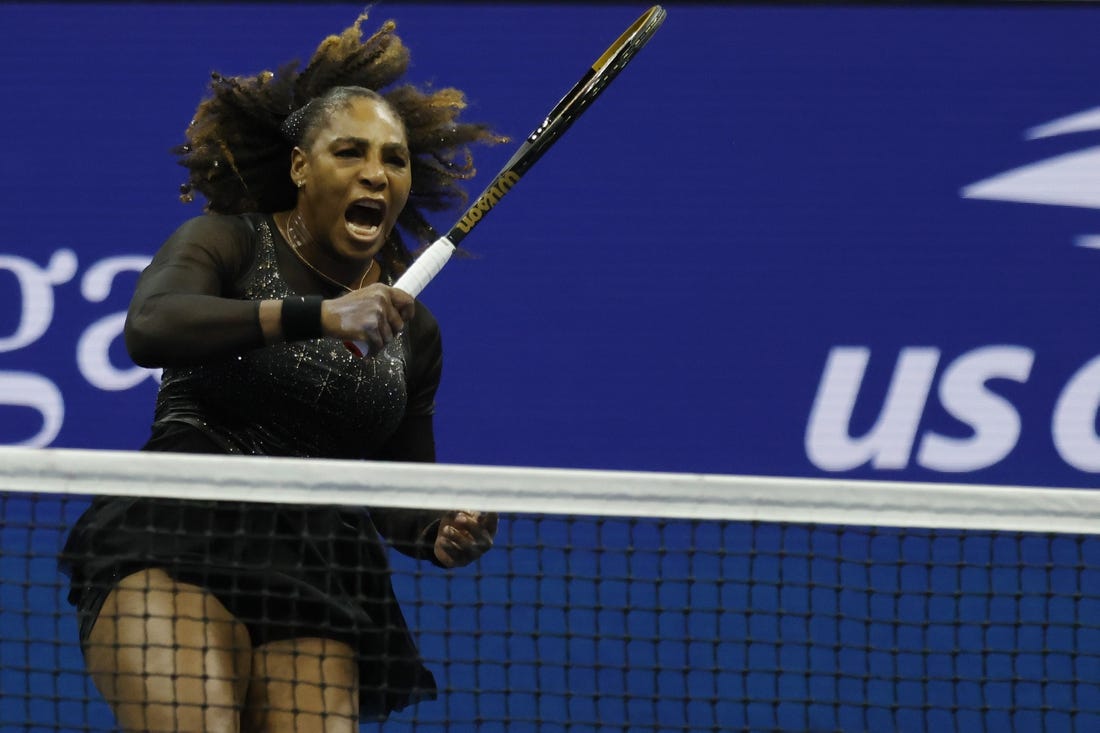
[
  {"x": 427, "y": 266},
  {"x": 420, "y": 273}
]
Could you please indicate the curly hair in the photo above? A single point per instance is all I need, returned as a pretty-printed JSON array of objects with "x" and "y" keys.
[{"x": 238, "y": 145}]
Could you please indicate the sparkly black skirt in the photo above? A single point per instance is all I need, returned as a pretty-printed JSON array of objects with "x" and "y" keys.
[{"x": 284, "y": 571}]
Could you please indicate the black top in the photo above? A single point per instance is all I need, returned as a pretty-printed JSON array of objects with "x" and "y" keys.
[
  {"x": 314, "y": 398},
  {"x": 306, "y": 398}
]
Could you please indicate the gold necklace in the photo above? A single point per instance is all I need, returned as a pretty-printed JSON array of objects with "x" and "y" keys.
[{"x": 297, "y": 241}]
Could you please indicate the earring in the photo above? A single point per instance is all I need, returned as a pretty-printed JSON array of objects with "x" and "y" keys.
[{"x": 300, "y": 183}]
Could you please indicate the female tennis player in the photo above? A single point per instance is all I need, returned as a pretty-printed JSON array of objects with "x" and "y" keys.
[{"x": 227, "y": 617}]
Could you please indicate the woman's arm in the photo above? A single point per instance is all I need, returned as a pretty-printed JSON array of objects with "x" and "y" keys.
[
  {"x": 451, "y": 538},
  {"x": 182, "y": 312},
  {"x": 413, "y": 531}
]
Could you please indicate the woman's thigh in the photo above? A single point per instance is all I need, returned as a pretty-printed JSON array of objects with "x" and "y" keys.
[
  {"x": 303, "y": 684},
  {"x": 168, "y": 656}
]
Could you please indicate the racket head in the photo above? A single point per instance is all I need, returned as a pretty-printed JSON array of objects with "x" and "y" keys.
[{"x": 591, "y": 85}]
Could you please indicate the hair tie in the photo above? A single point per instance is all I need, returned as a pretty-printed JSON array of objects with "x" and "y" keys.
[{"x": 292, "y": 126}]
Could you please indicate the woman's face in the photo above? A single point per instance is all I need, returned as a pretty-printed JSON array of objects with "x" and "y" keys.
[{"x": 356, "y": 177}]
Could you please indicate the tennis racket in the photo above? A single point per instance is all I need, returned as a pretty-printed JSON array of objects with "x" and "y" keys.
[{"x": 564, "y": 114}]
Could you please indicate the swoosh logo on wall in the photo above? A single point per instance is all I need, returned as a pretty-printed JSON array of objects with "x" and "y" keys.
[{"x": 1072, "y": 179}]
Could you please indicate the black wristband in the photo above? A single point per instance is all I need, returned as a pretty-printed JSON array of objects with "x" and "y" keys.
[{"x": 301, "y": 317}]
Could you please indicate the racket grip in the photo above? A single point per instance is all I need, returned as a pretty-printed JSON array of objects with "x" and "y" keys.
[
  {"x": 419, "y": 274},
  {"x": 427, "y": 266}
]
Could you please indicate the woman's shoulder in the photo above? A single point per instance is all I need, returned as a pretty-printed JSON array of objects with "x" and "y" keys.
[
  {"x": 227, "y": 241},
  {"x": 212, "y": 224}
]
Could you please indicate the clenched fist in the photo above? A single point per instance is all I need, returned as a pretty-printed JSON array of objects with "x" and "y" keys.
[
  {"x": 374, "y": 314},
  {"x": 464, "y": 537}
]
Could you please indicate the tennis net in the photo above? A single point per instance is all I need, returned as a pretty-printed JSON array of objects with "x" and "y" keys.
[{"x": 622, "y": 601}]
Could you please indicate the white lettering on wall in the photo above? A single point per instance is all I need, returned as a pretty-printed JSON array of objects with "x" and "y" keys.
[
  {"x": 994, "y": 422},
  {"x": 889, "y": 442},
  {"x": 93, "y": 348},
  {"x": 1073, "y": 425},
  {"x": 24, "y": 389},
  {"x": 36, "y": 286}
]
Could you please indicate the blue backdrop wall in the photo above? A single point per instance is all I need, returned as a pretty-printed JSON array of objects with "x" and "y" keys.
[
  {"x": 766, "y": 192},
  {"x": 774, "y": 213},
  {"x": 795, "y": 240}
]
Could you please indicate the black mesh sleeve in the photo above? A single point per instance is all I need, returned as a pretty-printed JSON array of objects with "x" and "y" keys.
[{"x": 184, "y": 311}]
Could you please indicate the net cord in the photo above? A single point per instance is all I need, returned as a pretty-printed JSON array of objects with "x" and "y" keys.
[{"x": 550, "y": 490}]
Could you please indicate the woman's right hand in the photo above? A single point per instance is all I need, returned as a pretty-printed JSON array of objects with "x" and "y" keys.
[{"x": 374, "y": 314}]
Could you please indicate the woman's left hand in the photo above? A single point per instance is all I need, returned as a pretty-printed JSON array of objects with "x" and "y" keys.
[{"x": 464, "y": 537}]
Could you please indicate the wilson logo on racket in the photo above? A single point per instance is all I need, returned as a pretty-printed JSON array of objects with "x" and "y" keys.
[
  {"x": 487, "y": 200},
  {"x": 564, "y": 114}
]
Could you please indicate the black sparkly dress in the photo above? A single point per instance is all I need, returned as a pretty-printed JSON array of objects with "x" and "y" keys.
[{"x": 284, "y": 570}]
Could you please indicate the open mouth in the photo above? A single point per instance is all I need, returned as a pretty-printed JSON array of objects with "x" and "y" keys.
[{"x": 365, "y": 216}]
